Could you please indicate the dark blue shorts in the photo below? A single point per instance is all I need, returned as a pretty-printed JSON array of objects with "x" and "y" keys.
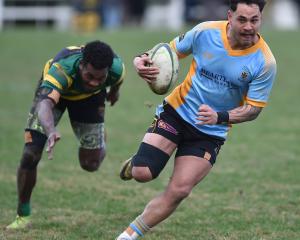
[{"x": 190, "y": 141}]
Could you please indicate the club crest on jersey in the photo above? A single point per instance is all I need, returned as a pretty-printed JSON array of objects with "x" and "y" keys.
[
  {"x": 163, "y": 125},
  {"x": 245, "y": 75}
]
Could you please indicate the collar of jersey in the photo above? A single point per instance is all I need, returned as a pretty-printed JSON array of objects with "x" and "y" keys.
[{"x": 233, "y": 52}]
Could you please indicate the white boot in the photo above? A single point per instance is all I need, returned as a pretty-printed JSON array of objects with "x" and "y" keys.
[{"x": 124, "y": 236}]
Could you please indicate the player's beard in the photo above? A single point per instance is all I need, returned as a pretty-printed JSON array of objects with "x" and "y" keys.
[{"x": 247, "y": 39}]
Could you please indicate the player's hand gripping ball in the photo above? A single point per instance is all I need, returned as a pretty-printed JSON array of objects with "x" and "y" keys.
[{"x": 165, "y": 58}]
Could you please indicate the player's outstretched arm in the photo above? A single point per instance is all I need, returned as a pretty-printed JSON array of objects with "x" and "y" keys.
[
  {"x": 45, "y": 115},
  {"x": 206, "y": 115}
]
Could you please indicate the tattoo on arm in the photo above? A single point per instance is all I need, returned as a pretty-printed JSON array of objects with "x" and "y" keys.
[{"x": 244, "y": 113}]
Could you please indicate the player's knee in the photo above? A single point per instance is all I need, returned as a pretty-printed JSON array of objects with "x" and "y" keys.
[
  {"x": 142, "y": 174},
  {"x": 148, "y": 162},
  {"x": 179, "y": 192},
  {"x": 30, "y": 157},
  {"x": 91, "y": 159}
]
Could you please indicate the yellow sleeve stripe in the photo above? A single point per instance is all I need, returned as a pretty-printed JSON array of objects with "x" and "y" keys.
[
  {"x": 47, "y": 67},
  {"x": 53, "y": 81},
  {"x": 180, "y": 55},
  {"x": 173, "y": 45},
  {"x": 255, "y": 103},
  {"x": 123, "y": 74},
  {"x": 63, "y": 72},
  {"x": 122, "y": 77}
]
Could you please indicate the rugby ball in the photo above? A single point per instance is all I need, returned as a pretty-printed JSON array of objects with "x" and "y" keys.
[{"x": 165, "y": 58}]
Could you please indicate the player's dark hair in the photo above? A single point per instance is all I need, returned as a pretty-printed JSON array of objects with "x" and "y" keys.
[
  {"x": 233, "y": 3},
  {"x": 98, "y": 54}
]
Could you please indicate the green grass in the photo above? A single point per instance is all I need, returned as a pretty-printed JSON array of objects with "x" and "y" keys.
[{"x": 253, "y": 192}]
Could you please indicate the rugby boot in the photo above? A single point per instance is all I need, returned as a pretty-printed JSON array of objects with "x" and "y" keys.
[
  {"x": 125, "y": 173},
  {"x": 21, "y": 222}
]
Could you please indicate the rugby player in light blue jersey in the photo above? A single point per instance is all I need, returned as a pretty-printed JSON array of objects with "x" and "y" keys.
[
  {"x": 229, "y": 82},
  {"x": 79, "y": 79}
]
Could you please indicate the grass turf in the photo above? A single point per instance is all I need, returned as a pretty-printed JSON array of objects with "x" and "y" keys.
[{"x": 253, "y": 192}]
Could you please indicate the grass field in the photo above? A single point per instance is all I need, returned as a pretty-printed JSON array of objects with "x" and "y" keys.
[{"x": 253, "y": 192}]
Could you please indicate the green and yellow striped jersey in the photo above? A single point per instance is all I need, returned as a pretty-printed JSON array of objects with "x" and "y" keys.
[{"x": 62, "y": 74}]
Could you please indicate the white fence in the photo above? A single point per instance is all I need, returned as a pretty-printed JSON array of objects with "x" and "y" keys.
[{"x": 61, "y": 14}]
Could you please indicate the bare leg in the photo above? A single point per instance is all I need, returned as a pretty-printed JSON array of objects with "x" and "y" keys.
[
  {"x": 26, "y": 180},
  {"x": 27, "y": 174},
  {"x": 188, "y": 171}
]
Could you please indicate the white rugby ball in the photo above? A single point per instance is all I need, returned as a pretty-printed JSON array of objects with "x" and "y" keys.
[{"x": 165, "y": 58}]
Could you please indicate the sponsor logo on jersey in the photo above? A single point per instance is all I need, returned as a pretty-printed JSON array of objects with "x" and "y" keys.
[{"x": 216, "y": 78}]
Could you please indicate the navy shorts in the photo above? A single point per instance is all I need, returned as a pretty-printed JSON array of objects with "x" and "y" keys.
[{"x": 190, "y": 141}]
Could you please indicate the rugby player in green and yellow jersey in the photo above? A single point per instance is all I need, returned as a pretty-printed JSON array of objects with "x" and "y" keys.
[{"x": 79, "y": 79}]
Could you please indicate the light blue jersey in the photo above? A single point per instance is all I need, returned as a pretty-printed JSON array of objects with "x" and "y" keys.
[{"x": 219, "y": 76}]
